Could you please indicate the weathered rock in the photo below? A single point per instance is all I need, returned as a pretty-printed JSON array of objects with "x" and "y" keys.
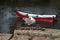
[
  {"x": 39, "y": 38},
  {"x": 49, "y": 38},
  {"x": 4, "y": 36},
  {"x": 47, "y": 32},
  {"x": 21, "y": 37},
  {"x": 57, "y": 38}
]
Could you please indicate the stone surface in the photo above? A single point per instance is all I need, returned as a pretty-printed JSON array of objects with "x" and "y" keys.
[
  {"x": 21, "y": 37},
  {"x": 4, "y": 36},
  {"x": 57, "y": 38},
  {"x": 47, "y": 32},
  {"x": 49, "y": 38},
  {"x": 39, "y": 38}
]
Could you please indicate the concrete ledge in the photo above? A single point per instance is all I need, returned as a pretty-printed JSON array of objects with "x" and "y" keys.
[
  {"x": 5, "y": 36},
  {"x": 47, "y": 33}
]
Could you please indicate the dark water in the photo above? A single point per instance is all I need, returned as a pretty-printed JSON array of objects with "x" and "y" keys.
[{"x": 8, "y": 17}]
